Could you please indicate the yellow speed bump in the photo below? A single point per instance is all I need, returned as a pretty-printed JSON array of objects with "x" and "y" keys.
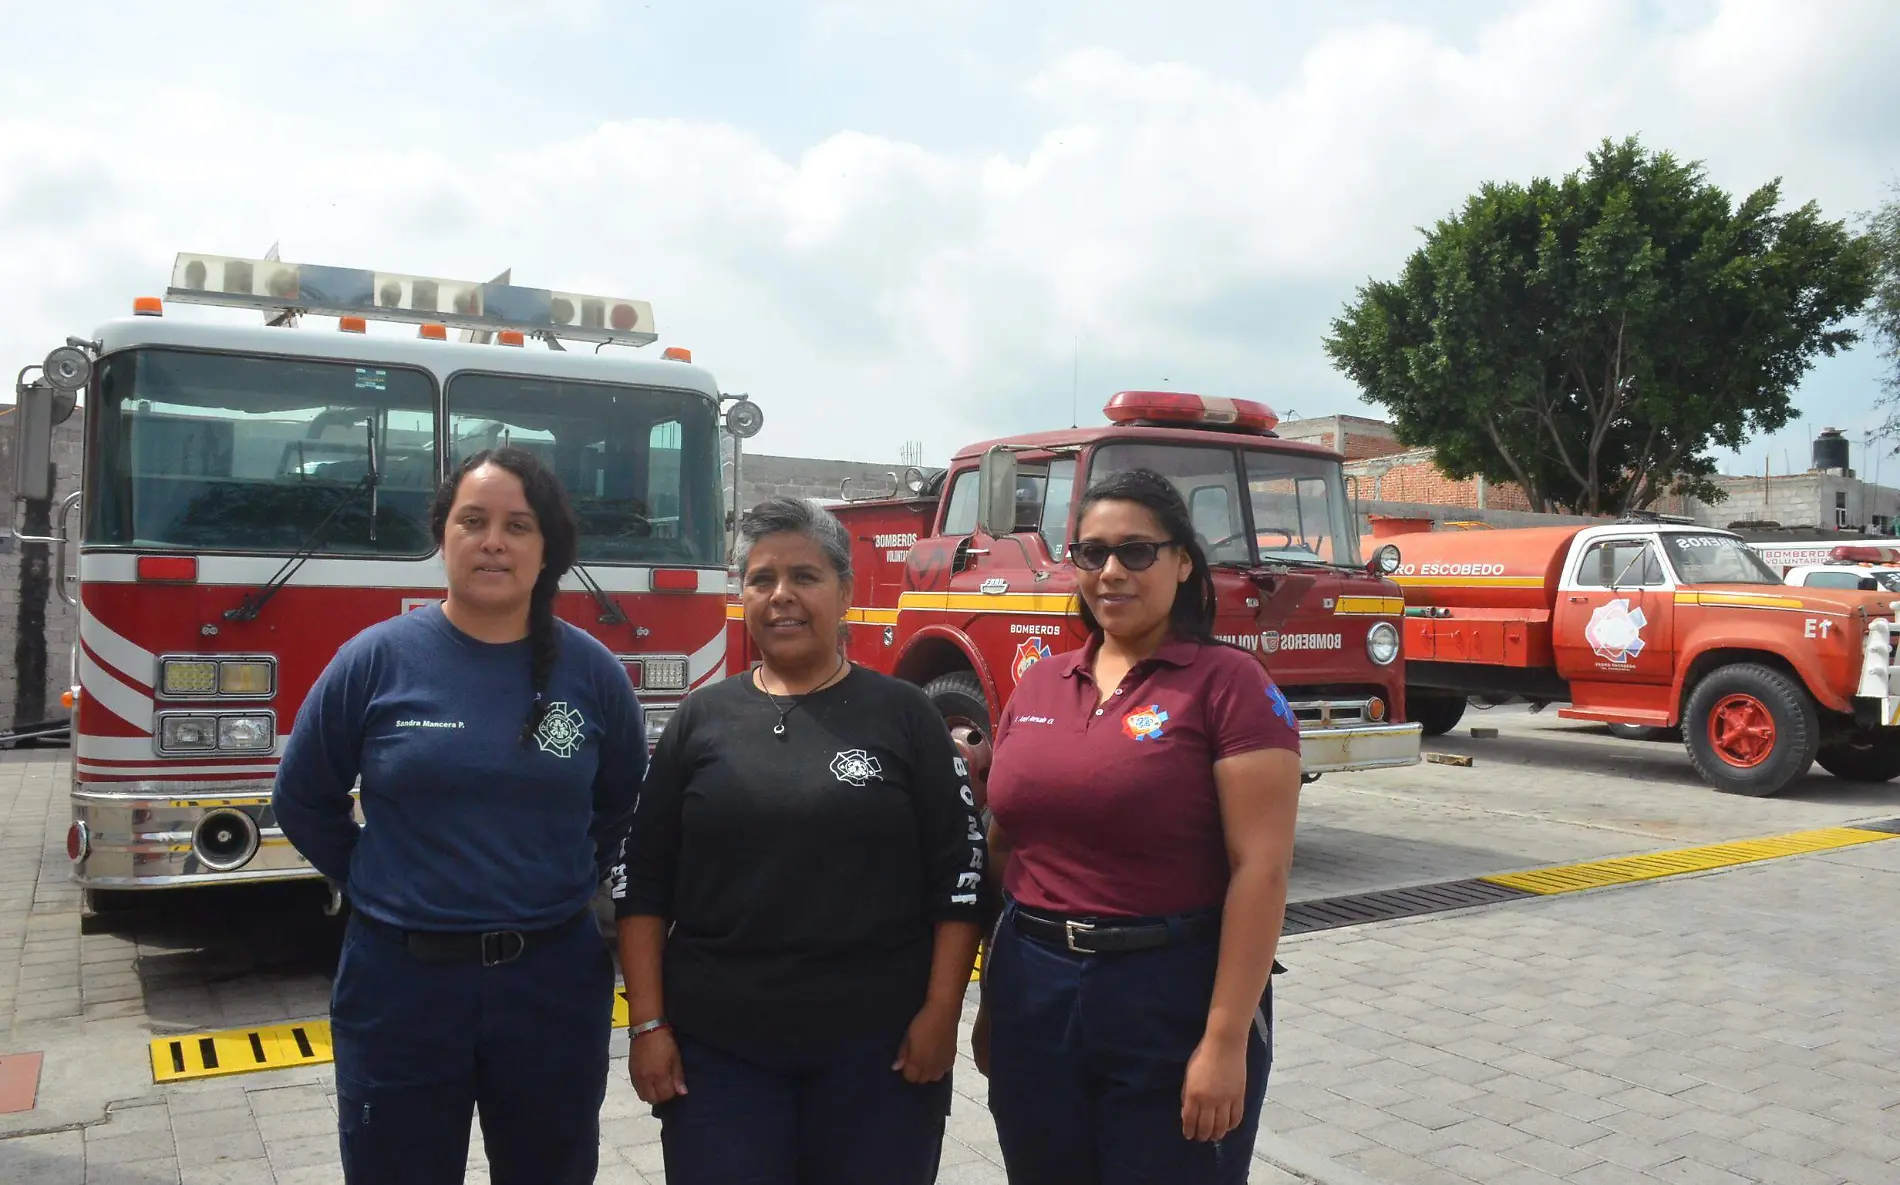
[{"x": 1570, "y": 878}]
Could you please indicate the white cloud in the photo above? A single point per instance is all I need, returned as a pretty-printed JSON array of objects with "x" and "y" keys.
[{"x": 1192, "y": 226}]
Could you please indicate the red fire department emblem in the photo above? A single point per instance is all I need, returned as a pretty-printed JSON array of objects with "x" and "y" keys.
[{"x": 1031, "y": 652}]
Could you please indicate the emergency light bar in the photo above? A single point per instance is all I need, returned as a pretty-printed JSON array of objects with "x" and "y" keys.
[
  {"x": 388, "y": 296},
  {"x": 1181, "y": 408},
  {"x": 1855, "y": 554}
]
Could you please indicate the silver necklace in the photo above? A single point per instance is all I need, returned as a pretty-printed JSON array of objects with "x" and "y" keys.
[{"x": 778, "y": 730}]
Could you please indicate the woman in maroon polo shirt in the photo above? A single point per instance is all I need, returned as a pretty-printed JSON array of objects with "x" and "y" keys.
[{"x": 1144, "y": 790}]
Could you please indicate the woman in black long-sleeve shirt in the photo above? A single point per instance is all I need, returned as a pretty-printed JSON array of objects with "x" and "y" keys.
[{"x": 806, "y": 835}]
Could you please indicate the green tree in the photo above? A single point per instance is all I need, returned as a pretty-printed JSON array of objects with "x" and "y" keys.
[
  {"x": 1883, "y": 314},
  {"x": 1591, "y": 339}
]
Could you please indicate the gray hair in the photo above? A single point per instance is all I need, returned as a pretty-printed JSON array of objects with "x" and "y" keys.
[{"x": 800, "y": 516}]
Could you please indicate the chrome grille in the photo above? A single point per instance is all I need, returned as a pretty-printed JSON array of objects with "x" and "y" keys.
[{"x": 1332, "y": 713}]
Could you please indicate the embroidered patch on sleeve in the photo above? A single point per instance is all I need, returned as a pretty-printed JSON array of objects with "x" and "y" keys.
[{"x": 1281, "y": 708}]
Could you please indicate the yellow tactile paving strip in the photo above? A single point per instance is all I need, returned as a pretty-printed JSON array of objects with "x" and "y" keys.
[
  {"x": 240, "y": 1051},
  {"x": 1570, "y": 878}
]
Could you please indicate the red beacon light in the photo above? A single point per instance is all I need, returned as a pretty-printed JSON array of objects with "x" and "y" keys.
[
  {"x": 1850, "y": 553},
  {"x": 1181, "y": 409}
]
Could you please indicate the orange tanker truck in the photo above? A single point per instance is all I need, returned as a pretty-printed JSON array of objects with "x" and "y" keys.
[{"x": 1650, "y": 624}]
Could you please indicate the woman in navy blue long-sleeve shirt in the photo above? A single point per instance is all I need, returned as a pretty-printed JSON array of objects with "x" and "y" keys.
[{"x": 494, "y": 745}]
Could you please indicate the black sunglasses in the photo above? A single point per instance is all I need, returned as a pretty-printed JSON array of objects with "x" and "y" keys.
[{"x": 1137, "y": 555}]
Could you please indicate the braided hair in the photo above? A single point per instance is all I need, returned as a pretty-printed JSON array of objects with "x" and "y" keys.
[{"x": 560, "y": 537}]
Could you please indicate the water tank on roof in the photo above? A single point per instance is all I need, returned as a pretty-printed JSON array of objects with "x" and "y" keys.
[{"x": 1830, "y": 450}]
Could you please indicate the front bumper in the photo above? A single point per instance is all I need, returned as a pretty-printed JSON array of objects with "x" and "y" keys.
[
  {"x": 1367, "y": 746},
  {"x": 145, "y": 836},
  {"x": 1877, "y": 697}
]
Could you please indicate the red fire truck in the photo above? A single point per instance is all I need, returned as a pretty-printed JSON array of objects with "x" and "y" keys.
[
  {"x": 961, "y": 583},
  {"x": 253, "y": 495}
]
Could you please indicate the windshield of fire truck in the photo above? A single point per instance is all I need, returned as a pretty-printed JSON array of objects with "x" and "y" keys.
[
  {"x": 219, "y": 452},
  {"x": 641, "y": 464},
  {"x": 1296, "y": 504},
  {"x": 1716, "y": 559}
]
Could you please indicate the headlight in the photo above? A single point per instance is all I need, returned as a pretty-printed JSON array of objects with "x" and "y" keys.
[
  {"x": 188, "y": 676},
  {"x": 244, "y": 676},
  {"x": 245, "y": 732},
  {"x": 664, "y": 674},
  {"x": 656, "y": 719},
  {"x": 211, "y": 677},
  {"x": 185, "y": 734},
  {"x": 235, "y": 732},
  {"x": 1382, "y": 643}
]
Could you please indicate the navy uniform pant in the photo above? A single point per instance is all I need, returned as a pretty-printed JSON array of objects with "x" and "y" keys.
[
  {"x": 1088, "y": 1054},
  {"x": 842, "y": 1118},
  {"x": 421, "y": 1047}
]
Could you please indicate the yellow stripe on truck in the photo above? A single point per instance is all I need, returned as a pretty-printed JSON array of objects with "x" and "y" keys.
[
  {"x": 936, "y": 602},
  {"x": 1470, "y": 581},
  {"x": 1740, "y": 600},
  {"x": 1370, "y": 606},
  {"x": 960, "y": 603}
]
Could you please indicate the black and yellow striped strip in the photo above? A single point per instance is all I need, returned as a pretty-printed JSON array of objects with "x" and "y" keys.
[{"x": 274, "y": 1047}]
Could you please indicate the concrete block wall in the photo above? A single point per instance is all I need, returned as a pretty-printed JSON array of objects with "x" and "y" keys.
[
  {"x": 62, "y": 622},
  {"x": 763, "y": 476}
]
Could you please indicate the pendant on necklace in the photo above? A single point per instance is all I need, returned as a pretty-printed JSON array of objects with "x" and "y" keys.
[{"x": 778, "y": 730}]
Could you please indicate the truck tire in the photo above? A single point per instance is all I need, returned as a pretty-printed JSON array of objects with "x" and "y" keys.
[
  {"x": 1639, "y": 732},
  {"x": 958, "y": 698},
  {"x": 1750, "y": 729},
  {"x": 1439, "y": 714},
  {"x": 1862, "y": 761}
]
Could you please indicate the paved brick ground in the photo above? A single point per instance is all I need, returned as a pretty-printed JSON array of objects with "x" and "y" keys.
[{"x": 1730, "y": 1028}]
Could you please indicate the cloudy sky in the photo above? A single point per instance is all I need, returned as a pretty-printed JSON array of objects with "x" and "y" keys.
[{"x": 903, "y": 220}]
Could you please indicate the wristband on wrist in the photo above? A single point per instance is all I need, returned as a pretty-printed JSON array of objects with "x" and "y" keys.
[{"x": 652, "y": 1026}]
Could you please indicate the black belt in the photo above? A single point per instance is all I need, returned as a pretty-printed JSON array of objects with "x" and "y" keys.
[
  {"x": 490, "y": 948},
  {"x": 1112, "y": 936}
]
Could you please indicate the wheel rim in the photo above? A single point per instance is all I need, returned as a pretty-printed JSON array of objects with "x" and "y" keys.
[
  {"x": 1741, "y": 730},
  {"x": 973, "y": 743}
]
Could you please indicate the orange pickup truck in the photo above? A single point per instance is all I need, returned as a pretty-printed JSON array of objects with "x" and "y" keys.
[{"x": 1657, "y": 625}]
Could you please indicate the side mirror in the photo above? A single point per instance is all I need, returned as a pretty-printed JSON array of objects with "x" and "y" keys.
[
  {"x": 744, "y": 419},
  {"x": 996, "y": 492},
  {"x": 34, "y": 415},
  {"x": 1385, "y": 561},
  {"x": 39, "y": 405}
]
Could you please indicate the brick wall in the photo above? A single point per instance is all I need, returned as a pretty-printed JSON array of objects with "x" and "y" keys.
[
  {"x": 1360, "y": 446},
  {"x": 61, "y": 621},
  {"x": 1414, "y": 476}
]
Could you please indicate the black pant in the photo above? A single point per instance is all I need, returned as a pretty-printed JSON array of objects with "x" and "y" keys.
[
  {"x": 1088, "y": 1054},
  {"x": 845, "y": 1118},
  {"x": 420, "y": 1046}
]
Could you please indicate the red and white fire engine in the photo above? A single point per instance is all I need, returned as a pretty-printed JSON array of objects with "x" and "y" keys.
[
  {"x": 252, "y": 495},
  {"x": 961, "y": 583}
]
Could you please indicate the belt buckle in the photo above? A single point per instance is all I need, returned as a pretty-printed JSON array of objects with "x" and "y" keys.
[
  {"x": 496, "y": 949},
  {"x": 1072, "y": 928}
]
